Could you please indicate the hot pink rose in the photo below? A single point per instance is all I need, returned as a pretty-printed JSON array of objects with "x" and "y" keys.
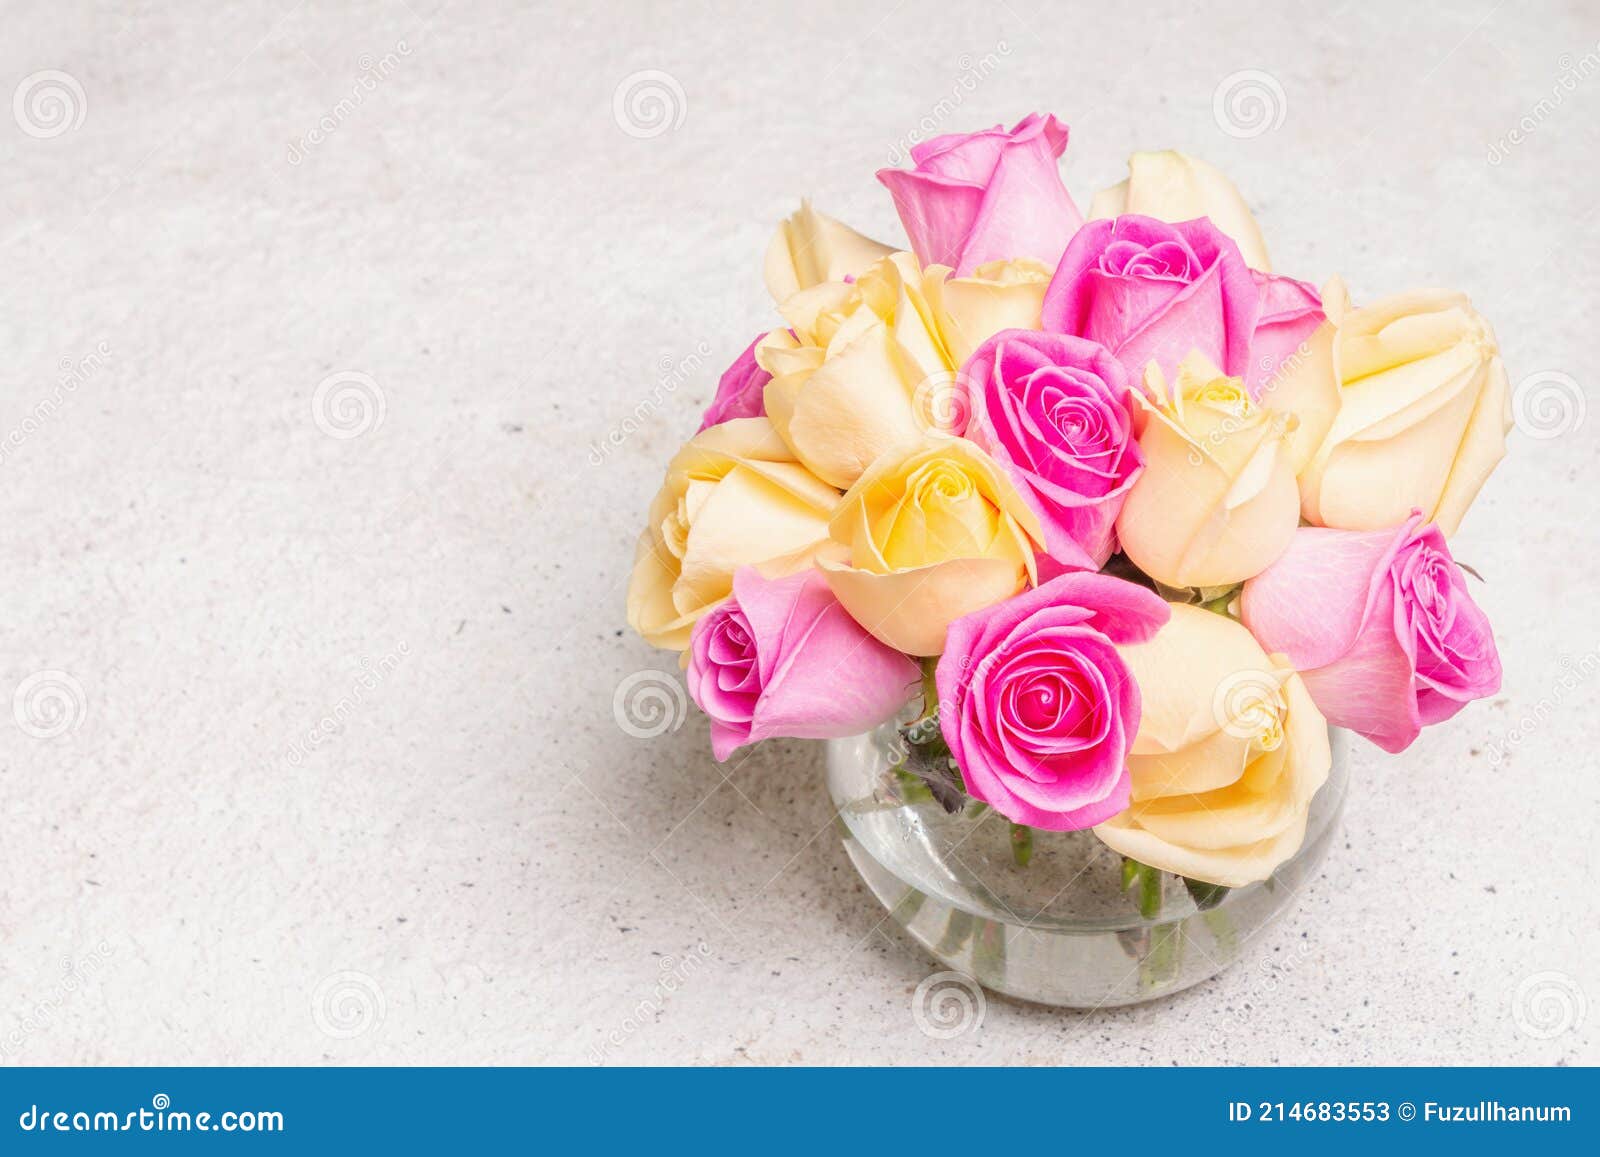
[
  {"x": 1290, "y": 311},
  {"x": 739, "y": 393},
  {"x": 986, "y": 196},
  {"x": 1038, "y": 707},
  {"x": 1054, "y": 411},
  {"x": 1380, "y": 626},
  {"x": 783, "y": 658},
  {"x": 1146, "y": 289}
]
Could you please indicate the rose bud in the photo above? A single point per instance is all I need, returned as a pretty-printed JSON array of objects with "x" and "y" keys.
[
  {"x": 1217, "y": 500},
  {"x": 987, "y": 196},
  {"x": 782, "y": 658},
  {"x": 1380, "y": 626}
]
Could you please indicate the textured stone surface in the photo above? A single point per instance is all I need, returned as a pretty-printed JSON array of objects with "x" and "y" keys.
[{"x": 475, "y": 863}]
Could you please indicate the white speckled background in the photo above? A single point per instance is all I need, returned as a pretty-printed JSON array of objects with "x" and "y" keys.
[{"x": 478, "y": 865}]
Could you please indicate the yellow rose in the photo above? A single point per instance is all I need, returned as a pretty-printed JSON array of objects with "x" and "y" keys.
[
  {"x": 968, "y": 311},
  {"x": 734, "y": 496},
  {"x": 1304, "y": 384},
  {"x": 1171, "y": 186},
  {"x": 935, "y": 531},
  {"x": 810, "y": 248},
  {"x": 1230, "y": 749},
  {"x": 872, "y": 365},
  {"x": 1217, "y": 501},
  {"x": 1424, "y": 412}
]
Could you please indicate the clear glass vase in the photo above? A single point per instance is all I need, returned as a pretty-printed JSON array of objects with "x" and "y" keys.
[{"x": 1060, "y": 929}]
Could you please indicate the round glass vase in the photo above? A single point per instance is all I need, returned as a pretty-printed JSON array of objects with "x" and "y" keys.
[{"x": 1046, "y": 916}]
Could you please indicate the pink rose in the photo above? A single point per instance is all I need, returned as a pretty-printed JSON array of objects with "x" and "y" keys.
[
  {"x": 1147, "y": 290},
  {"x": 1054, "y": 411},
  {"x": 1038, "y": 707},
  {"x": 782, "y": 658},
  {"x": 986, "y": 196},
  {"x": 739, "y": 393},
  {"x": 1290, "y": 311},
  {"x": 1380, "y": 626}
]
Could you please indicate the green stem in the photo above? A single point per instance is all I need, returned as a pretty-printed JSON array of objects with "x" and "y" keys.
[
  {"x": 1148, "y": 880},
  {"x": 1150, "y": 893},
  {"x": 1021, "y": 844},
  {"x": 930, "y": 685}
]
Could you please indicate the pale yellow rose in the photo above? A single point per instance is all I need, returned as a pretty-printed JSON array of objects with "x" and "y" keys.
[
  {"x": 1304, "y": 384},
  {"x": 872, "y": 365},
  {"x": 935, "y": 531},
  {"x": 1217, "y": 501},
  {"x": 1424, "y": 412},
  {"x": 968, "y": 311},
  {"x": 1172, "y": 186},
  {"x": 1229, "y": 752},
  {"x": 734, "y": 496},
  {"x": 810, "y": 248}
]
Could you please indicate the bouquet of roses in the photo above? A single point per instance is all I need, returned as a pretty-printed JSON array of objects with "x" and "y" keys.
[{"x": 1142, "y": 517}]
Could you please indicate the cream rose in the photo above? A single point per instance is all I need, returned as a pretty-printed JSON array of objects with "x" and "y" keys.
[
  {"x": 1424, "y": 412},
  {"x": 1217, "y": 501},
  {"x": 934, "y": 531},
  {"x": 810, "y": 248},
  {"x": 1172, "y": 186},
  {"x": 968, "y": 311},
  {"x": 1303, "y": 384},
  {"x": 734, "y": 496},
  {"x": 865, "y": 367},
  {"x": 1229, "y": 752}
]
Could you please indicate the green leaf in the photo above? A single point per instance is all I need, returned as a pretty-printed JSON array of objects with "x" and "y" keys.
[{"x": 1205, "y": 896}]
